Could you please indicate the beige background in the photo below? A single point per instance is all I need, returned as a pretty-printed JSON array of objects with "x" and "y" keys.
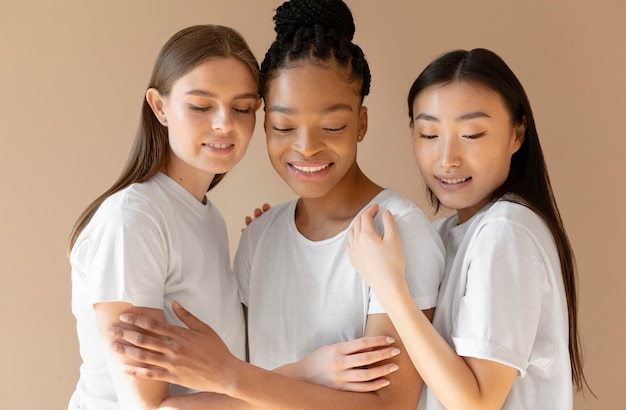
[{"x": 73, "y": 73}]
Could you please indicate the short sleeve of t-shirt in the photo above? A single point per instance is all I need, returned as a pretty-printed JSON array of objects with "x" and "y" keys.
[
  {"x": 124, "y": 257},
  {"x": 500, "y": 311},
  {"x": 425, "y": 258},
  {"x": 243, "y": 261}
]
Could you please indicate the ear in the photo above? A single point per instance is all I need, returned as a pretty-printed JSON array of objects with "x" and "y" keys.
[
  {"x": 520, "y": 134},
  {"x": 362, "y": 123},
  {"x": 157, "y": 103}
]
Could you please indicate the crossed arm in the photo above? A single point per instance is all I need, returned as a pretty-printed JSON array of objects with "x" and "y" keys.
[
  {"x": 198, "y": 358},
  {"x": 458, "y": 382}
]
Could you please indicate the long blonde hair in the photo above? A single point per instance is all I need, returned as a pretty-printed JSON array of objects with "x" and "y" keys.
[{"x": 150, "y": 150}]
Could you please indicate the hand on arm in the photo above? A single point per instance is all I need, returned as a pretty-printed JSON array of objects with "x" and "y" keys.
[
  {"x": 257, "y": 212},
  {"x": 351, "y": 366},
  {"x": 132, "y": 393},
  {"x": 458, "y": 382},
  {"x": 197, "y": 358}
]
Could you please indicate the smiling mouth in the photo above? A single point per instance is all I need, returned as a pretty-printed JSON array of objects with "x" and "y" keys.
[
  {"x": 454, "y": 181},
  {"x": 219, "y": 146},
  {"x": 310, "y": 170}
]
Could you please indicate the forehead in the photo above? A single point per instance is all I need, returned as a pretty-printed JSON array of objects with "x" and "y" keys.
[
  {"x": 457, "y": 98},
  {"x": 222, "y": 72},
  {"x": 307, "y": 83}
]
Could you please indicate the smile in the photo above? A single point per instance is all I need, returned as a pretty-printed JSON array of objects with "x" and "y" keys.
[
  {"x": 219, "y": 146},
  {"x": 454, "y": 181},
  {"x": 310, "y": 169}
]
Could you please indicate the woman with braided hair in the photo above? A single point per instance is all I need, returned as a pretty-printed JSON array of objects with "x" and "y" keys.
[{"x": 308, "y": 308}]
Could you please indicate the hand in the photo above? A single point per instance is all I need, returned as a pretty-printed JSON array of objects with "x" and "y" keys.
[
  {"x": 378, "y": 259},
  {"x": 196, "y": 357},
  {"x": 257, "y": 212},
  {"x": 348, "y": 365}
]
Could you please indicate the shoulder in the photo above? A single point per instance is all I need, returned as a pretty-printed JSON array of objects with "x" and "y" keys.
[
  {"x": 399, "y": 205},
  {"x": 509, "y": 212},
  {"x": 277, "y": 216},
  {"x": 513, "y": 225}
]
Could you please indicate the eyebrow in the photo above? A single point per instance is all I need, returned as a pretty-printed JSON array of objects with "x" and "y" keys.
[
  {"x": 202, "y": 93},
  {"x": 290, "y": 111},
  {"x": 463, "y": 117}
]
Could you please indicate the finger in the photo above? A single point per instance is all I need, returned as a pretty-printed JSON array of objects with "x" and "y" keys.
[
  {"x": 248, "y": 220},
  {"x": 389, "y": 225},
  {"x": 367, "y": 224},
  {"x": 266, "y": 207},
  {"x": 143, "y": 356},
  {"x": 137, "y": 338},
  {"x": 364, "y": 344},
  {"x": 371, "y": 357},
  {"x": 363, "y": 387},
  {"x": 370, "y": 374},
  {"x": 151, "y": 373},
  {"x": 155, "y": 327},
  {"x": 257, "y": 212},
  {"x": 190, "y": 320}
]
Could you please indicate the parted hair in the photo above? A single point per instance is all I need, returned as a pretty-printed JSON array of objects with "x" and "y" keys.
[
  {"x": 318, "y": 32},
  {"x": 183, "y": 52},
  {"x": 528, "y": 174}
]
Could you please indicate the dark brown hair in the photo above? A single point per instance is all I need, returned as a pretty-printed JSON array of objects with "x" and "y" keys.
[
  {"x": 183, "y": 52},
  {"x": 528, "y": 175}
]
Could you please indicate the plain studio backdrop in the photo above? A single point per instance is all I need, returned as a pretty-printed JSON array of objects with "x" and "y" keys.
[{"x": 73, "y": 75}]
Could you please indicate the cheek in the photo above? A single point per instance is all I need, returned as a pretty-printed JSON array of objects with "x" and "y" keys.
[{"x": 420, "y": 153}]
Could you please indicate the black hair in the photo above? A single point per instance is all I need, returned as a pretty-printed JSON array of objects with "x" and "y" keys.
[
  {"x": 528, "y": 174},
  {"x": 316, "y": 31}
]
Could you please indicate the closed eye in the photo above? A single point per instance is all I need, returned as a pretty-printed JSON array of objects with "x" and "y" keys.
[
  {"x": 474, "y": 136},
  {"x": 428, "y": 137},
  {"x": 198, "y": 109},
  {"x": 275, "y": 128},
  {"x": 329, "y": 129}
]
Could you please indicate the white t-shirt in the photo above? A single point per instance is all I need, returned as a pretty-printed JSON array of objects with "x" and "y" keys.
[
  {"x": 502, "y": 299},
  {"x": 303, "y": 294},
  {"x": 149, "y": 245}
]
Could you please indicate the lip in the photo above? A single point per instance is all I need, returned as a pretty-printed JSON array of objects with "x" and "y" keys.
[
  {"x": 220, "y": 147},
  {"x": 310, "y": 170},
  {"x": 453, "y": 182}
]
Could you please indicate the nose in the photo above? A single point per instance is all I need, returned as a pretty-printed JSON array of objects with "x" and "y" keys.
[
  {"x": 307, "y": 143},
  {"x": 222, "y": 119},
  {"x": 449, "y": 151}
]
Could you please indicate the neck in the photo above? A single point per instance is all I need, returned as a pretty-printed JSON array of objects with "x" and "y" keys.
[{"x": 326, "y": 216}]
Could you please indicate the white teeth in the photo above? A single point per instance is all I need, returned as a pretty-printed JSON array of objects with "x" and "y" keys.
[
  {"x": 310, "y": 169},
  {"x": 219, "y": 146},
  {"x": 453, "y": 181}
]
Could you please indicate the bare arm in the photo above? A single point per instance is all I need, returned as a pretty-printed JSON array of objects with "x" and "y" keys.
[
  {"x": 211, "y": 367},
  {"x": 458, "y": 382},
  {"x": 132, "y": 393}
]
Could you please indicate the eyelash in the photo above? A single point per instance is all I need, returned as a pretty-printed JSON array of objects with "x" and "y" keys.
[
  {"x": 205, "y": 109},
  {"x": 471, "y": 136}
]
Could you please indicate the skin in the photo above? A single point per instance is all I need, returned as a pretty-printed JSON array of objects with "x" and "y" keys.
[
  {"x": 229, "y": 89},
  {"x": 463, "y": 143},
  {"x": 312, "y": 144}
]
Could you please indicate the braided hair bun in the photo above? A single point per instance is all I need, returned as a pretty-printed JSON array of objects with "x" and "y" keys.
[
  {"x": 332, "y": 15},
  {"x": 320, "y": 30}
]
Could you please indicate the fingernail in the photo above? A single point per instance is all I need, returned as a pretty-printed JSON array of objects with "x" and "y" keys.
[
  {"x": 386, "y": 383},
  {"x": 390, "y": 340},
  {"x": 393, "y": 368},
  {"x": 395, "y": 352},
  {"x": 125, "y": 317}
]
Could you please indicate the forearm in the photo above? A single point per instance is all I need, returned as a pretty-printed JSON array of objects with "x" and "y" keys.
[
  {"x": 269, "y": 390},
  {"x": 446, "y": 373},
  {"x": 203, "y": 401}
]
